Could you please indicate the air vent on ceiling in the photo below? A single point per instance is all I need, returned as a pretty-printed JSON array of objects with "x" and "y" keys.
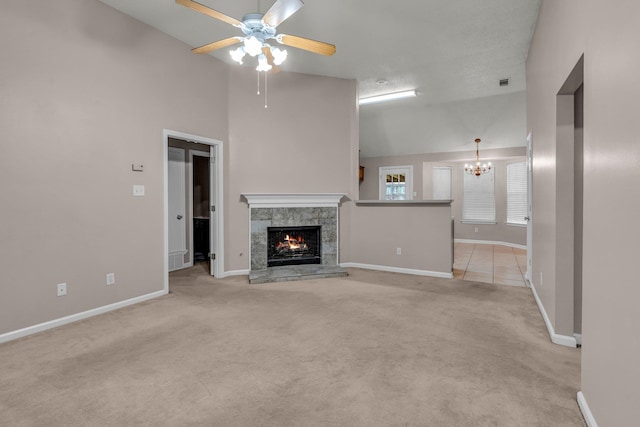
[{"x": 504, "y": 82}]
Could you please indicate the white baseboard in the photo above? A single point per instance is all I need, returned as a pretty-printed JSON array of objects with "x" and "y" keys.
[
  {"x": 490, "y": 242},
  {"x": 586, "y": 411},
  {"x": 75, "y": 317},
  {"x": 564, "y": 340},
  {"x": 235, "y": 273},
  {"x": 397, "y": 270},
  {"x": 578, "y": 338}
]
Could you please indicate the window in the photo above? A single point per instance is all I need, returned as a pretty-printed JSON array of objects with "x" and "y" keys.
[
  {"x": 396, "y": 183},
  {"x": 441, "y": 183},
  {"x": 516, "y": 193},
  {"x": 479, "y": 204}
]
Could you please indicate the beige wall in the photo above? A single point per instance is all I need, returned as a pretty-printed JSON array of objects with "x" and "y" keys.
[
  {"x": 607, "y": 34},
  {"x": 304, "y": 142},
  {"x": 423, "y": 233},
  {"x": 86, "y": 92},
  {"x": 498, "y": 232},
  {"x": 422, "y": 185}
]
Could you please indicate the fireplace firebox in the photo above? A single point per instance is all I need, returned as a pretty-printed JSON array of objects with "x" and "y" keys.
[{"x": 293, "y": 245}]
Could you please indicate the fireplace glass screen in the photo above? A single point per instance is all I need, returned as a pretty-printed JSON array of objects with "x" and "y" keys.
[{"x": 293, "y": 245}]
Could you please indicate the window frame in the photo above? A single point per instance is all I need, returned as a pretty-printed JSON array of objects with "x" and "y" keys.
[
  {"x": 524, "y": 203},
  {"x": 383, "y": 171}
]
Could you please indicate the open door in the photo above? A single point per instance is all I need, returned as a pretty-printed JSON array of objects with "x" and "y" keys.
[
  {"x": 213, "y": 211},
  {"x": 177, "y": 246}
]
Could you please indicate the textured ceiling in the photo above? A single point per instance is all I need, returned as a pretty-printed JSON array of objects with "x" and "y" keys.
[{"x": 453, "y": 52}]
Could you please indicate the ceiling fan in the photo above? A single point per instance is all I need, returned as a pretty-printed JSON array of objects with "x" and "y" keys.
[{"x": 258, "y": 29}]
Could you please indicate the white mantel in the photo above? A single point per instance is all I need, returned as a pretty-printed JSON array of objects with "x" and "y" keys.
[{"x": 302, "y": 200}]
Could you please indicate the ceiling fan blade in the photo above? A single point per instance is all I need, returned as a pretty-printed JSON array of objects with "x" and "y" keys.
[
  {"x": 307, "y": 44},
  {"x": 217, "y": 45},
  {"x": 208, "y": 11},
  {"x": 281, "y": 10},
  {"x": 267, "y": 52}
]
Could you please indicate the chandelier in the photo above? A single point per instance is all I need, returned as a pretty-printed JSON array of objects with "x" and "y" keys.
[{"x": 478, "y": 169}]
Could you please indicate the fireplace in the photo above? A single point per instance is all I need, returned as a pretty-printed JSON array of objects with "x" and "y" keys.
[
  {"x": 293, "y": 245},
  {"x": 293, "y": 236}
]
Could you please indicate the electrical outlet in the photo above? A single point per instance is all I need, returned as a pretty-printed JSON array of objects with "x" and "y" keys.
[
  {"x": 62, "y": 289},
  {"x": 398, "y": 251},
  {"x": 138, "y": 190},
  {"x": 111, "y": 278},
  {"x": 476, "y": 229}
]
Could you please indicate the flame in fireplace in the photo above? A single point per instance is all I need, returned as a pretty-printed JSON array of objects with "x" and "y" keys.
[{"x": 292, "y": 243}]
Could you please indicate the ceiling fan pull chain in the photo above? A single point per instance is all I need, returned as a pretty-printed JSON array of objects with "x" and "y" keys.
[{"x": 265, "y": 89}]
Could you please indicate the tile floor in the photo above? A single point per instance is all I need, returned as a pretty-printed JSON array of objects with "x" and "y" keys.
[{"x": 497, "y": 264}]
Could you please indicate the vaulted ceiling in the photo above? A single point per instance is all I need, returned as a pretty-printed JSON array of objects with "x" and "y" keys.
[{"x": 454, "y": 52}]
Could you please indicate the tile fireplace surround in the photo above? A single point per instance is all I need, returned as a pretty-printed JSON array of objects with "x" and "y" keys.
[{"x": 279, "y": 210}]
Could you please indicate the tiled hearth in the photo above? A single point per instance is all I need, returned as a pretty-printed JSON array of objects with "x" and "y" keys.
[{"x": 280, "y": 210}]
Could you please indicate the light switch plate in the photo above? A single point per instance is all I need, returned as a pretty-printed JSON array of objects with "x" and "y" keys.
[
  {"x": 138, "y": 190},
  {"x": 61, "y": 289}
]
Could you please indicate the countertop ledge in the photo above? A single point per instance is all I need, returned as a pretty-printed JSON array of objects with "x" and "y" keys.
[{"x": 402, "y": 202}]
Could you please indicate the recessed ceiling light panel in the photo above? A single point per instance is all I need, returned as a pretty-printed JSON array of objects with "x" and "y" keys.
[{"x": 389, "y": 97}]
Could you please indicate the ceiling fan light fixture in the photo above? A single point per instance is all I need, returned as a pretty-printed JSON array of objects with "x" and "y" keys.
[
  {"x": 237, "y": 54},
  {"x": 252, "y": 46},
  {"x": 263, "y": 64},
  {"x": 258, "y": 29},
  {"x": 279, "y": 55},
  {"x": 388, "y": 97}
]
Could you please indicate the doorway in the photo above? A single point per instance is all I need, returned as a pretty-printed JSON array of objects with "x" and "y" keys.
[
  {"x": 569, "y": 204},
  {"x": 200, "y": 205},
  {"x": 211, "y": 151}
]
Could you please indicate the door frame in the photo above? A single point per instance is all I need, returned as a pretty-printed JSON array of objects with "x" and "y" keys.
[
  {"x": 529, "y": 272},
  {"x": 166, "y": 134}
]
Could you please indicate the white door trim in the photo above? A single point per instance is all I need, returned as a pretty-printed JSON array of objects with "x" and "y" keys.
[
  {"x": 166, "y": 134},
  {"x": 529, "y": 273}
]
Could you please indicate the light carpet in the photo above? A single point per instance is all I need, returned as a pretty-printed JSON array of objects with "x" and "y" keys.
[{"x": 371, "y": 349}]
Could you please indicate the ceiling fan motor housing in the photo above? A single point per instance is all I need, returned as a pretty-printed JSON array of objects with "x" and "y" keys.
[{"x": 252, "y": 25}]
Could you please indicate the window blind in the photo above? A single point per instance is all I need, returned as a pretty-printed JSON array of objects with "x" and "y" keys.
[
  {"x": 517, "y": 193},
  {"x": 479, "y": 204},
  {"x": 441, "y": 183}
]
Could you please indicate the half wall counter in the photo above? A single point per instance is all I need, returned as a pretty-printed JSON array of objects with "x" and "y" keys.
[{"x": 403, "y": 236}]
